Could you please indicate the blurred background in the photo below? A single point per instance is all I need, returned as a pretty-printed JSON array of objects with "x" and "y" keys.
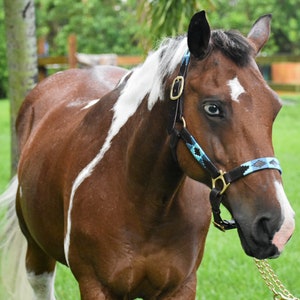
[{"x": 134, "y": 27}]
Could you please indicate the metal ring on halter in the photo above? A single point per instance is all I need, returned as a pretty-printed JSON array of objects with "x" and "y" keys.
[
  {"x": 177, "y": 87},
  {"x": 221, "y": 179}
]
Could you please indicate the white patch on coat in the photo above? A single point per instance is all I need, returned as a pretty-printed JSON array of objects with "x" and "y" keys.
[
  {"x": 91, "y": 103},
  {"x": 146, "y": 79},
  {"x": 42, "y": 285},
  {"x": 236, "y": 89},
  {"x": 76, "y": 103},
  {"x": 282, "y": 236}
]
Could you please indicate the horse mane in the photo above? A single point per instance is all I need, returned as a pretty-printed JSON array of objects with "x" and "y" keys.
[{"x": 148, "y": 79}]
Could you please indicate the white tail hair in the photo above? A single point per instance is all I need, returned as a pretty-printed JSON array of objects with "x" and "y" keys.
[{"x": 13, "y": 248}]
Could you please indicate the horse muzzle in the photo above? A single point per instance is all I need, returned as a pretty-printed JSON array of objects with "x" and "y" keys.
[
  {"x": 265, "y": 235},
  {"x": 257, "y": 248}
]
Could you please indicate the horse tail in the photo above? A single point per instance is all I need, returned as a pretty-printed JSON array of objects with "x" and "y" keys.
[{"x": 13, "y": 248}]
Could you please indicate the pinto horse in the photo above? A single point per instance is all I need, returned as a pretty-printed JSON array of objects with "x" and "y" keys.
[{"x": 112, "y": 165}]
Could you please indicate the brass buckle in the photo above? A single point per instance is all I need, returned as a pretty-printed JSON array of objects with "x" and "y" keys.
[
  {"x": 219, "y": 226},
  {"x": 222, "y": 179},
  {"x": 178, "y": 80}
]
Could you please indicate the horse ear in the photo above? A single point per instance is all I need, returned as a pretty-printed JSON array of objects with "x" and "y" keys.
[
  {"x": 198, "y": 35},
  {"x": 260, "y": 32}
]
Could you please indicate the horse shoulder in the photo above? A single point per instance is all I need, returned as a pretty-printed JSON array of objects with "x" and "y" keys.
[
  {"x": 73, "y": 87},
  {"x": 193, "y": 197}
]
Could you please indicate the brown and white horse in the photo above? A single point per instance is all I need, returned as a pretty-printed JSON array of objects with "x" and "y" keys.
[{"x": 100, "y": 190}]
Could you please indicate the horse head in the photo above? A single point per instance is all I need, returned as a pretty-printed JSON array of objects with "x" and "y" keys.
[{"x": 227, "y": 112}]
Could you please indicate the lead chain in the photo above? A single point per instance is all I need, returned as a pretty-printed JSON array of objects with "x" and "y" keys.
[{"x": 272, "y": 281}]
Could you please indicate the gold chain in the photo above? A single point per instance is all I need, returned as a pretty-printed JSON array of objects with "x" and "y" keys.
[{"x": 272, "y": 281}]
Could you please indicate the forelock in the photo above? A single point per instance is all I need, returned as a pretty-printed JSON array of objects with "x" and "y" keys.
[{"x": 233, "y": 45}]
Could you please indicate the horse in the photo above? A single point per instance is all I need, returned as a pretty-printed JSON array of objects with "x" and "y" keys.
[{"x": 120, "y": 171}]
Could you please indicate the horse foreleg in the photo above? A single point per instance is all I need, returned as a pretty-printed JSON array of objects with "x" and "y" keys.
[
  {"x": 92, "y": 289},
  {"x": 89, "y": 285},
  {"x": 40, "y": 272}
]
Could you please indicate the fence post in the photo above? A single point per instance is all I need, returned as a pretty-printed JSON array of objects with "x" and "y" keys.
[
  {"x": 72, "y": 48},
  {"x": 42, "y": 51}
]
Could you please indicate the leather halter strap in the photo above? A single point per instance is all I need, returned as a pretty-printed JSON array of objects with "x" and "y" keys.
[{"x": 220, "y": 179}]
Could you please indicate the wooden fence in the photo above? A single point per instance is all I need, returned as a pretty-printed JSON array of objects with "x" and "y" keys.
[
  {"x": 283, "y": 72},
  {"x": 45, "y": 63},
  {"x": 288, "y": 65}
]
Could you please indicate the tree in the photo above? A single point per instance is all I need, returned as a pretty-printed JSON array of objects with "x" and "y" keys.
[
  {"x": 100, "y": 26},
  {"x": 3, "y": 63},
  {"x": 169, "y": 17},
  {"x": 240, "y": 14},
  {"x": 165, "y": 18},
  {"x": 21, "y": 59}
]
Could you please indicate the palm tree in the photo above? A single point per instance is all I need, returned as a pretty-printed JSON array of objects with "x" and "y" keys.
[{"x": 166, "y": 18}]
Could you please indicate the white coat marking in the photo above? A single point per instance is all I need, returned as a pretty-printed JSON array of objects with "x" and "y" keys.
[
  {"x": 91, "y": 103},
  {"x": 43, "y": 285},
  {"x": 76, "y": 103},
  {"x": 287, "y": 228},
  {"x": 145, "y": 80},
  {"x": 236, "y": 89}
]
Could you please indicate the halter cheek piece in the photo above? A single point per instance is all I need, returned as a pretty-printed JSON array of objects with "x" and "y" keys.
[{"x": 220, "y": 179}]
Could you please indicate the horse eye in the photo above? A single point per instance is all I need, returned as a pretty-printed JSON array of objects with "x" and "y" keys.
[{"x": 212, "y": 110}]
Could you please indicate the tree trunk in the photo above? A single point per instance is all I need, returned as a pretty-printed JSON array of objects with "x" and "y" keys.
[{"x": 22, "y": 59}]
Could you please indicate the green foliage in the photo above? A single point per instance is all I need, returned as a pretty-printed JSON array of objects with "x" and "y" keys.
[
  {"x": 132, "y": 27},
  {"x": 3, "y": 62},
  {"x": 112, "y": 26},
  {"x": 100, "y": 26},
  {"x": 160, "y": 18},
  {"x": 240, "y": 14},
  {"x": 165, "y": 18}
]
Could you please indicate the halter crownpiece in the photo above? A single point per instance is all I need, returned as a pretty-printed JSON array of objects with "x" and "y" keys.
[{"x": 221, "y": 180}]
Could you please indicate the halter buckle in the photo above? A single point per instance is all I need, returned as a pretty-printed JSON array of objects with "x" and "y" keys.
[
  {"x": 225, "y": 225},
  {"x": 222, "y": 179},
  {"x": 177, "y": 87}
]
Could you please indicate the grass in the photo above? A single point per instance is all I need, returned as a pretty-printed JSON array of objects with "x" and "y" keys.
[{"x": 226, "y": 272}]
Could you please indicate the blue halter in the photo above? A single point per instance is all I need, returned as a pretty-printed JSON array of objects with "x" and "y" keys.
[{"x": 220, "y": 179}]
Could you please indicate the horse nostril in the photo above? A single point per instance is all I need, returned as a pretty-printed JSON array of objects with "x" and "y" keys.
[{"x": 263, "y": 230}]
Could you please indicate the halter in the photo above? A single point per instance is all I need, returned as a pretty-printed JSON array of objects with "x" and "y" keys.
[{"x": 220, "y": 179}]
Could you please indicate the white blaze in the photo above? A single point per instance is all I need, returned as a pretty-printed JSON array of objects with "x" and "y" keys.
[
  {"x": 236, "y": 89},
  {"x": 282, "y": 236}
]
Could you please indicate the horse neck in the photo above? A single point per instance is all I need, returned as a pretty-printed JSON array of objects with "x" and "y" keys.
[{"x": 150, "y": 168}]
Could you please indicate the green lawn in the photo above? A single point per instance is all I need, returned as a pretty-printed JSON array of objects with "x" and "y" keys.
[{"x": 226, "y": 272}]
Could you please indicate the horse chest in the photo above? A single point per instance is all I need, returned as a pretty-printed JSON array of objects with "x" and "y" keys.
[
  {"x": 141, "y": 257},
  {"x": 151, "y": 275}
]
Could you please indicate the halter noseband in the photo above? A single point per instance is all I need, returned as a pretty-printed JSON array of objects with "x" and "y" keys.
[{"x": 220, "y": 179}]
